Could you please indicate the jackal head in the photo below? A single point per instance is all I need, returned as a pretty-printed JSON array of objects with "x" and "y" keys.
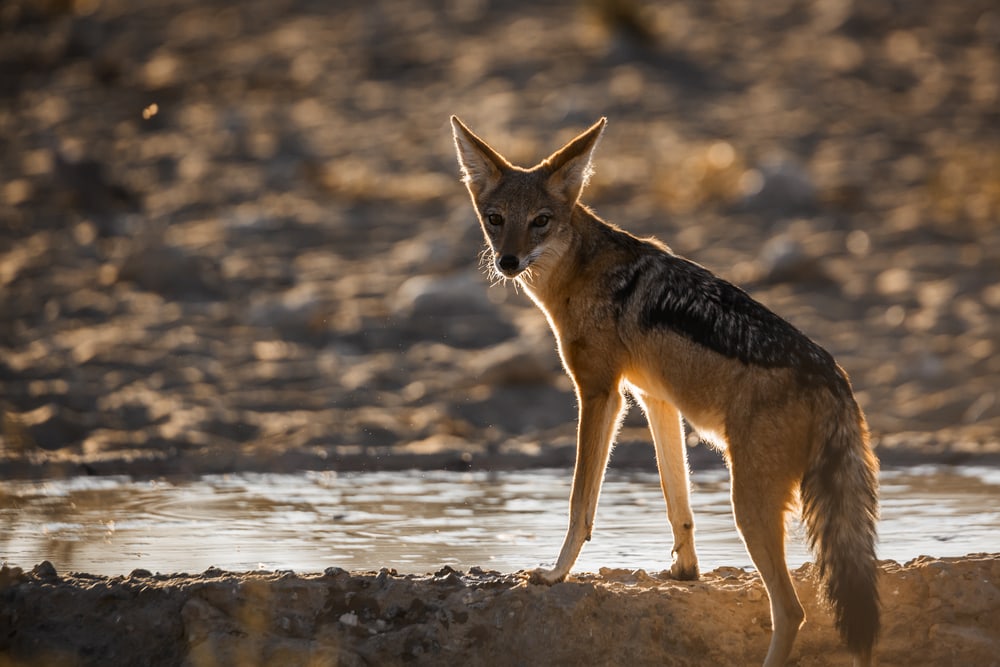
[{"x": 526, "y": 214}]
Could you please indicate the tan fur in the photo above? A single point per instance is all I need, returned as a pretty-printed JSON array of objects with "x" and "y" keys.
[{"x": 769, "y": 424}]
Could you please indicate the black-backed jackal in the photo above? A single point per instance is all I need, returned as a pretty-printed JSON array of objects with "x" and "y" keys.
[{"x": 629, "y": 315}]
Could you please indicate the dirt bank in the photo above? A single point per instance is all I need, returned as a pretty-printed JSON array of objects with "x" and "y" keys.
[{"x": 936, "y": 612}]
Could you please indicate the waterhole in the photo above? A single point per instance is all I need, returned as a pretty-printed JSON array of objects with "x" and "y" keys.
[{"x": 416, "y": 522}]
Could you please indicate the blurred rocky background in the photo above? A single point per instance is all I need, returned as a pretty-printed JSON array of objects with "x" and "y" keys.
[{"x": 232, "y": 234}]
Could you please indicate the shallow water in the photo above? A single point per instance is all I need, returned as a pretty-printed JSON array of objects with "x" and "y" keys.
[{"x": 416, "y": 522}]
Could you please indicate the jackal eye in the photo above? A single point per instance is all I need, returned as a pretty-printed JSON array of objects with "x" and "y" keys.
[
  {"x": 494, "y": 219},
  {"x": 541, "y": 221}
]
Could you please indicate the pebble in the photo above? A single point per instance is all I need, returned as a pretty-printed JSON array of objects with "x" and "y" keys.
[
  {"x": 49, "y": 427},
  {"x": 295, "y": 312},
  {"x": 785, "y": 260},
  {"x": 443, "y": 296},
  {"x": 171, "y": 271},
  {"x": 453, "y": 309},
  {"x": 781, "y": 186}
]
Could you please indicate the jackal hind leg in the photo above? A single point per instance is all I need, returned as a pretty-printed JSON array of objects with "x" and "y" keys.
[
  {"x": 599, "y": 415},
  {"x": 760, "y": 500},
  {"x": 671, "y": 458}
]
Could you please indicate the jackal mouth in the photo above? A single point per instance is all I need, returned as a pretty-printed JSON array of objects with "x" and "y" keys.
[{"x": 510, "y": 274}]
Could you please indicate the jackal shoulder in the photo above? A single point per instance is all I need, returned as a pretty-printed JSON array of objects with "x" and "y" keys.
[{"x": 654, "y": 289}]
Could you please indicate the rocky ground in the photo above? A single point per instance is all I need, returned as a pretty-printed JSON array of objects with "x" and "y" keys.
[
  {"x": 232, "y": 236},
  {"x": 936, "y": 612}
]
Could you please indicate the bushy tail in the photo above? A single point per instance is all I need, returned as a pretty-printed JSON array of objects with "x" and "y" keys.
[{"x": 840, "y": 508}]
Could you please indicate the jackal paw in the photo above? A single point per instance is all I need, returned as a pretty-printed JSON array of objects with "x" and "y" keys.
[
  {"x": 545, "y": 577},
  {"x": 686, "y": 572}
]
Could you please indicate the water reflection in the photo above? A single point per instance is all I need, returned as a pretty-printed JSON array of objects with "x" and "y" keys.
[{"x": 419, "y": 521}]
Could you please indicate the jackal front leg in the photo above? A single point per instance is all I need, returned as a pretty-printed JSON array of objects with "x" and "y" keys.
[{"x": 599, "y": 415}]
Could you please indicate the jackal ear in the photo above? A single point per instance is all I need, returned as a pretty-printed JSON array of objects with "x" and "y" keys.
[
  {"x": 570, "y": 166},
  {"x": 481, "y": 166}
]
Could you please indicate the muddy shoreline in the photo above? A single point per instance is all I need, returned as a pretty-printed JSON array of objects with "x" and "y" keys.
[
  {"x": 629, "y": 455},
  {"x": 935, "y": 611}
]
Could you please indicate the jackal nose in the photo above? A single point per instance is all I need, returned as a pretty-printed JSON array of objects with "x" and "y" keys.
[{"x": 508, "y": 263}]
